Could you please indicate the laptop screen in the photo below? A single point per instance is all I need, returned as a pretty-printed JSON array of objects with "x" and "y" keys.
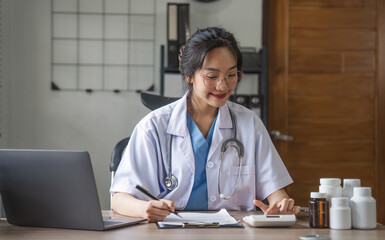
[{"x": 49, "y": 188}]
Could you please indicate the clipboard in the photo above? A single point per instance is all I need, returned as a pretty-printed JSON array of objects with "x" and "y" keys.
[
  {"x": 220, "y": 219},
  {"x": 199, "y": 225}
]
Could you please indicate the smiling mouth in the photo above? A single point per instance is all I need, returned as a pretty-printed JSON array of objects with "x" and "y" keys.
[{"x": 219, "y": 96}]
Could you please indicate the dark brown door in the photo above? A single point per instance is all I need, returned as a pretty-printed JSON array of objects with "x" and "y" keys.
[{"x": 324, "y": 82}]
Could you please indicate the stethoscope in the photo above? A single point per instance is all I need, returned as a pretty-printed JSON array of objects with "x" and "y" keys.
[{"x": 171, "y": 181}]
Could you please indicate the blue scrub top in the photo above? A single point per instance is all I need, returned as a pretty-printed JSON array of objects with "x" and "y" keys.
[{"x": 198, "y": 199}]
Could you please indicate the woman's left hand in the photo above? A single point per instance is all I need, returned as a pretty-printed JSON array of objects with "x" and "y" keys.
[{"x": 285, "y": 206}]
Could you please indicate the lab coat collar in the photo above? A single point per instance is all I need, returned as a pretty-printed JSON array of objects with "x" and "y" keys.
[
  {"x": 224, "y": 119},
  {"x": 178, "y": 127},
  {"x": 178, "y": 122}
]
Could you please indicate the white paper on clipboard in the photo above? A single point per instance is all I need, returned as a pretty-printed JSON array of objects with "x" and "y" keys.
[{"x": 222, "y": 218}]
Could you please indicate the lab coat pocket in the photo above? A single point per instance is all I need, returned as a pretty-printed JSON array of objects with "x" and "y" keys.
[
  {"x": 245, "y": 170},
  {"x": 245, "y": 192}
]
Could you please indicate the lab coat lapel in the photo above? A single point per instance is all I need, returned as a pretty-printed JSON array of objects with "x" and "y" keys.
[
  {"x": 178, "y": 127},
  {"x": 223, "y": 122}
]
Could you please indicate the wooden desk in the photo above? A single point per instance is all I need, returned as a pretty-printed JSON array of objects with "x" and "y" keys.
[{"x": 150, "y": 231}]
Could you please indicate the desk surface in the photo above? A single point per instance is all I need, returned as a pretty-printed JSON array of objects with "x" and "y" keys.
[{"x": 150, "y": 231}]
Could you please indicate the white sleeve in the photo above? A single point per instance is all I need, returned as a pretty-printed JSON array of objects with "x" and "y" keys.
[
  {"x": 139, "y": 165},
  {"x": 271, "y": 173}
]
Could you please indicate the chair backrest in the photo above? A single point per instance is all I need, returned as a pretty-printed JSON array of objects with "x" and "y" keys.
[
  {"x": 117, "y": 153},
  {"x": 115, "y": 159},
  {"x": 153, "y": 102}
]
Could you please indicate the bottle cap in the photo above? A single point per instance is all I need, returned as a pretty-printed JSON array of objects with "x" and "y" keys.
[
  {"x": 331, "y": 181},
  {"x": 351, "y": 182},
  {"x": 362, "y": 191},
  {"x": 340, "y": 202},
  {"x": 318, "y": 195}
]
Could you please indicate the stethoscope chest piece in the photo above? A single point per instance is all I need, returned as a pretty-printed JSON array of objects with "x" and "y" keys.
[{"x": 171, "y": 182}]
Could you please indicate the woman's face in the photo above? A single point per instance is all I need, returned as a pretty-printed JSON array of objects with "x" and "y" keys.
[{"x": 208, "y": 92}]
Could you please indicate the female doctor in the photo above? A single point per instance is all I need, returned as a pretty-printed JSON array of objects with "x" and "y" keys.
[{"x": 202, "y": 152}]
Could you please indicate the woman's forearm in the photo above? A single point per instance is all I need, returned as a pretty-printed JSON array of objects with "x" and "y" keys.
[{"x": 128, "y": 205}]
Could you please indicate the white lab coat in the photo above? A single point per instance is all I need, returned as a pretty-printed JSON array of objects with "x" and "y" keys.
[{"x": 145, "y": 160}]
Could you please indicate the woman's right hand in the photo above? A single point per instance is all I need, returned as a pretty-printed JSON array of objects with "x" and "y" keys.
[{"x": 155, "y": 211}]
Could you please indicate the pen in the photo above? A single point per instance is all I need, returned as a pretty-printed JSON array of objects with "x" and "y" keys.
[{"x": 148, "y": 194}]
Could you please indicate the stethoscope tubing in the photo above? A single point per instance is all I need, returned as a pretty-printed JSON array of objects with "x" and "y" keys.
[{"x": 221, "y": 195}]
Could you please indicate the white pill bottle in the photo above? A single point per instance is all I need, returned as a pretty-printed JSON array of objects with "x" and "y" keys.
[
  {"x": 330, "y": 186},
  {"x": 349, "y": 184},
  {"x": 340, "y": 214},
  {"x": 363, "y": 207}
]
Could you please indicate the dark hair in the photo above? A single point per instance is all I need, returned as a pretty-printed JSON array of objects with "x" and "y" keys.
[
  {"x": 193, "y": 53},
  {"x": 202, "y": 41}
]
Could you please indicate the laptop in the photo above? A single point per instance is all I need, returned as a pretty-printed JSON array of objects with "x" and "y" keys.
[{"x": 53, "y": 188}]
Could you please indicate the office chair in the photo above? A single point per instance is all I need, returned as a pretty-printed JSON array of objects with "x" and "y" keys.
[
  {"x": 117, "y": 155},
  {"x": 152, "y": 102},
  {"x": 115, "y": 159}
]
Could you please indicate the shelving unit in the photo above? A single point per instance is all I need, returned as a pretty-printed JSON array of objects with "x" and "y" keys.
[{"x": 252, "y": 101}]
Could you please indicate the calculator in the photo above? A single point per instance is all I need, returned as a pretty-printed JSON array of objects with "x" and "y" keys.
[{"x": 270, "y": 220}]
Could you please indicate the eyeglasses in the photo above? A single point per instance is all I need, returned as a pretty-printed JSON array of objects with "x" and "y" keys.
[{"x": 211, "y": 79}]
